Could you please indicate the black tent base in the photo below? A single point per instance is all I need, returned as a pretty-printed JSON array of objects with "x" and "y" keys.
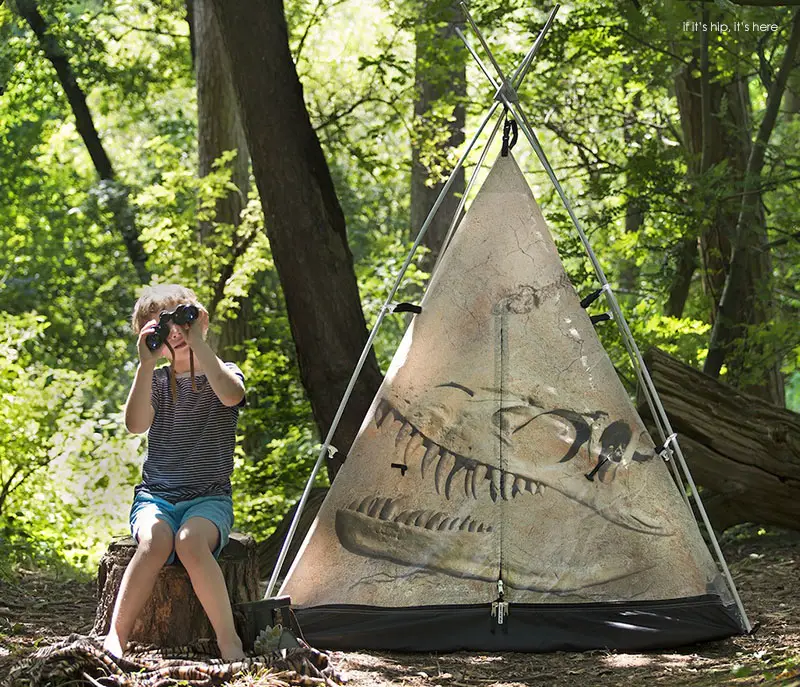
[{"x": 625, "y": 626}]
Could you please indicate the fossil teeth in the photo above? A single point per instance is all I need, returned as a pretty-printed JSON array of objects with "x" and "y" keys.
[
  {"x": 503, "y": 485},
  {"x": 458, "y": 466},
  {"x": 414, "y": 448},
  {"x": 445, "y": 524},
  {"x": 381, "y": 412},
  {"x": 431, "y": 451},
  {"x": 473, "y": 479},
  {"x": 402, "y": 518},
  {"x": 519, "y": 485},
  {"x": 444, "y": 467},
  {"x": 389, "y": 509},
  {"x": 529, "y": 485},
  {"x": 480, "y": 528},
  {"x": 419, "y": 517},
  {"x": 403, "y": 433},
  {"x": 376, "y": 506},
  {"x": 454, "y": 524},
  {"x": 353, "y": 506},
  {"x": 540, "y": 488},
  {"x": 364, "y": 505},
  {"x": 494, "y": 482},
  {"x": 435, "y": 520},
  {"x": 473, "y": 525},
  {"x": 465, "y": 525}
]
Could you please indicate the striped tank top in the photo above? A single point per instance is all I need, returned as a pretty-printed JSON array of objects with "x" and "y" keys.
[{"x": 190, "y": 443}]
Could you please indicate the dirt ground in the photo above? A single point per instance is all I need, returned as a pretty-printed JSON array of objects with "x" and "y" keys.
[{"x": 38, "y": 609}]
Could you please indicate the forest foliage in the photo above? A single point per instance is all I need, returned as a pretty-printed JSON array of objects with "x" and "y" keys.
[{"x": 601, "y": 94}]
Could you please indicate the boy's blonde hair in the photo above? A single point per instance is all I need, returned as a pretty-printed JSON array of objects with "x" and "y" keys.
[{"x": 154, "y": 299}]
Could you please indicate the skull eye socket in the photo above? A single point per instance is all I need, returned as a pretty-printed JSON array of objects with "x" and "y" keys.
[{"x": 509, "y": 420}]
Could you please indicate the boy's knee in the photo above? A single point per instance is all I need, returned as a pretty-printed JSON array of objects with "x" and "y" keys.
[
  {"x": 156, "y": 542},
  {"x": 190, "y": 546}
]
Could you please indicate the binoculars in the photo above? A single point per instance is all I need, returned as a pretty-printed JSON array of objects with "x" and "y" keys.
[{"x": 183, "y": 314}]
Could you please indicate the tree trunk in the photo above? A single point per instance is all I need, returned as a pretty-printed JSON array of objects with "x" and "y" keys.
[
  {"x": 743, "y": 451},
  {"x": 269, "y": 549},
  {"x": 746, "y": 296},
  {"x": 173, "y": 615},
  {"x": 219, "y": 129},
  {"x": 441, "y": 91},
  {"x": 715, "y": 118},
  {"x": 305, "y": 223},
  {"x": 634, "y": 211},
  {"x": 728, "y": 141},
  {"x": 116, "y": 193},
  {"x": 791, "y": 103}
]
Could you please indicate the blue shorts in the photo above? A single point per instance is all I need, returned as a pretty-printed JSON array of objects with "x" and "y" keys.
[{"x": 217, "y": 509}]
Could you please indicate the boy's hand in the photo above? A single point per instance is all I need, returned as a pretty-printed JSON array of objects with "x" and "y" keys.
[
  {"x": 146, "y": 356},
  {"x": 193, "y": 333}
]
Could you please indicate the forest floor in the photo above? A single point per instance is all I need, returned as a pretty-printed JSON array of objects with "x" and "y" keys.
[{"x": 38, "y": 609}]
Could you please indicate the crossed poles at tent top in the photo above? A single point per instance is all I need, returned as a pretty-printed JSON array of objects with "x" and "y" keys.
[{"x": 506, "y": 94}]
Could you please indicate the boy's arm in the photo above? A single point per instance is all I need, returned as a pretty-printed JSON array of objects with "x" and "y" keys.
[
  {"x": 139, "y": 411},
  {"x": 228, "y": 387}
]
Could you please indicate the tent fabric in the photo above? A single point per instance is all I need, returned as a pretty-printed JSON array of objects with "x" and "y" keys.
[
  {"x": 502, "y": 446},
  {"x": 529, "y": 627}
]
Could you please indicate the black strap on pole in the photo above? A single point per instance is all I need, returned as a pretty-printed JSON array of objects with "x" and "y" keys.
[
  {"x": 600, "y": 318},
  {"x": 591, "y": 298},
  {"x": 509, "y": 128},
  {"x": 407, "y": 307}
]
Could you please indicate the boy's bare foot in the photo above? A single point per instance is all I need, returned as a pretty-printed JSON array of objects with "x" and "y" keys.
[
  {"x": 232, "y": 650},
  {"x": 113, "y": 646}
]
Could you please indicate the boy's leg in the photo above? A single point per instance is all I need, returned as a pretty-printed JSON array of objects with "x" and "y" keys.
[
  {"x": 155, "y": 546},
  {"x": 196, "y": 540}
]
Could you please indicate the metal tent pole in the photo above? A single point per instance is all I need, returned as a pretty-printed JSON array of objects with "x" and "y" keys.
[
  {"x": 664, "y": 431},
  {"x": 512, "y": 104},
  {"x": 386, "y": 307},
  {"x": 364, "y": 353},
  {"x": 516, "y": 79},
  {"x": 520, "y": 74}
]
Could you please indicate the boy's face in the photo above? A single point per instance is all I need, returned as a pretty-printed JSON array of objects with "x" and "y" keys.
[{"x": 176, "y": 337}]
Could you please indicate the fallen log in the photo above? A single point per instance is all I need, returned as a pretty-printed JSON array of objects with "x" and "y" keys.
[{"x": 743, "y": 451}]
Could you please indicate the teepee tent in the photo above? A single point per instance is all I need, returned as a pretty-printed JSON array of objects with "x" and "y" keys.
[{"x": 502, "y": 492}]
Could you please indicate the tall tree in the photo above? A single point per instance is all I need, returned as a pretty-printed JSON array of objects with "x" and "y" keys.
[
  {"x": 220, "y": 130},
  {"x": 115, "y": 193},
  {"x": 304, "y": 221},
  {"x": 439, "y": 115},
  {"x": 713, "y": 99},
  {"x": 746, "y": 292}
]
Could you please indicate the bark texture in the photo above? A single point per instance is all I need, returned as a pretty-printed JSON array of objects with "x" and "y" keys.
[
  {"x": 305, "y": 223},
  {"x": 743, "y": 451},
  {"x": 439, "y": 117},
  {"x": 220, "y": 129},
  {"x": 173, "y": 616}
]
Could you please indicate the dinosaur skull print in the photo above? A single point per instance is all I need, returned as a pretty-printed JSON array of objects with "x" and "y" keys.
[{"x": 501, "y": 446}]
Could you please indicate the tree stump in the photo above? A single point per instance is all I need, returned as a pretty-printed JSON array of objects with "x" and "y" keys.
[{"x": 173, "y": 615}]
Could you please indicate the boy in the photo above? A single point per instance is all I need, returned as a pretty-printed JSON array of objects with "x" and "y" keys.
[{"x": 183, "y": 505}]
